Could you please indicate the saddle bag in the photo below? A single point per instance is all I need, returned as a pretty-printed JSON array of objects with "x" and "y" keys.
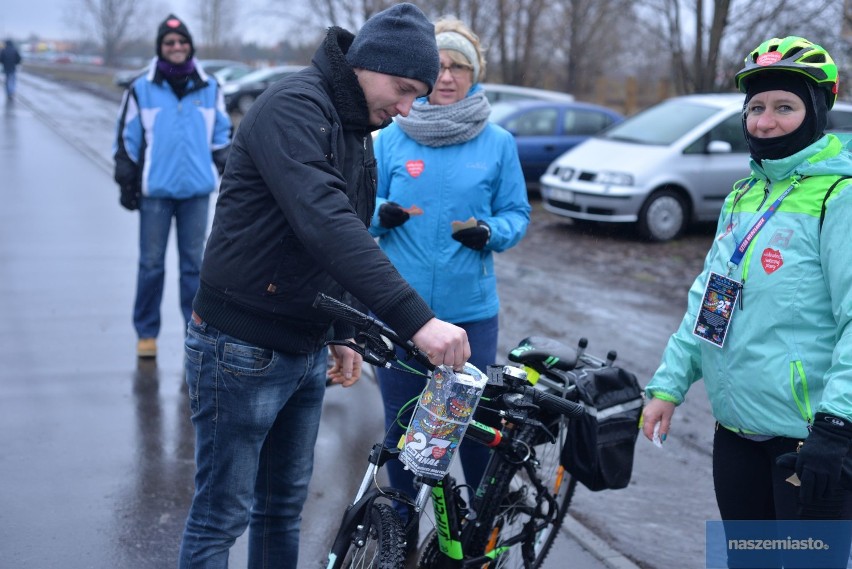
[{"x": 599, "y": 447}]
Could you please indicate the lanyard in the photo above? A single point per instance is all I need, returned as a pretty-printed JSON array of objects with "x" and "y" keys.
[{"x": 743, "y": 245}]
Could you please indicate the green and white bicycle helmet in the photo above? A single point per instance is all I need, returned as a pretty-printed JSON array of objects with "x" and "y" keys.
[{"x": 794, "y": 54}]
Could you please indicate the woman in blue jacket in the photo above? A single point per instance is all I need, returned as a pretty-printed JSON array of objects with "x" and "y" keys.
[
  {"x": 172, "y": 142},
  {"x": 450, "y": 193}
]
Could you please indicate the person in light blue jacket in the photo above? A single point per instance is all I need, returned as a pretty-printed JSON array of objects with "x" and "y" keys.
[
  {"x": 450, "y": 194},
  {"x": 769, "y": 319},
  {"x": 172, "y": 142}
]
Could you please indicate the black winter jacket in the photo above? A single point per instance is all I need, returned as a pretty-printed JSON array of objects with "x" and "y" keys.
[{"x": 291, "y": 219}]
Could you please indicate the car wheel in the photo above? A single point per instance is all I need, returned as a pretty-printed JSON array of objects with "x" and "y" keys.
[
  {"x": 663, "y": 216},
  {"x": 244, "y": 103}
]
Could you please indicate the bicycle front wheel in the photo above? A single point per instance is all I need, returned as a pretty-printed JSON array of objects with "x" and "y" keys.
[
  {"x": 377, "y": 541},
  {"x": 525, "y": 501}
]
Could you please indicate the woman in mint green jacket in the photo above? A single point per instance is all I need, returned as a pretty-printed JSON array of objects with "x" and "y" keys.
[{"x": 768, "y": 323}]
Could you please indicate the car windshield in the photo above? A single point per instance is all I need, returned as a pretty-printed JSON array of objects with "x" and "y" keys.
[
  {"x": 661, "y": 124},
  {"x": 500, "y": 110}
]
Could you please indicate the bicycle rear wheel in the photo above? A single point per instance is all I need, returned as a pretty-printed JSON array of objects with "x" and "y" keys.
[
  {"x": 377, "y": 540},
  {"x": 519, "y": 500}
]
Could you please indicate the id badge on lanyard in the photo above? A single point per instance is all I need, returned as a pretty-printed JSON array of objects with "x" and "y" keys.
[
  {"x": 717, "y": 309},
  {"x": 722, "y": 292}
]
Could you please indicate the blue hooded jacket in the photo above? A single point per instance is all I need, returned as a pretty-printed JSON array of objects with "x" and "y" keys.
[
  {"x": 172, "y": 147},
  {"x": 480, "y": 178}
]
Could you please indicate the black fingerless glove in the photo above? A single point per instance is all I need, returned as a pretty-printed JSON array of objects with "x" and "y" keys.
[
  {"x": 130, "y": 196},
  {"x": 823, "y": 463},
  {"x": 392, "y": 215},
  {"x": 474, "y": 237}
]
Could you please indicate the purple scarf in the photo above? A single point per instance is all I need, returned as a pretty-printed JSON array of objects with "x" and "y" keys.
[{"x": 172, "y": 71}]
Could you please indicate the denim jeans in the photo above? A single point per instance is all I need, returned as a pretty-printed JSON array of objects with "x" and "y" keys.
[
  {"x": 155, "y": 221},
  {"x": 256, "y": 414},
  {"x": 11, "y": 82},
  {"x": 398, "y": 388}
]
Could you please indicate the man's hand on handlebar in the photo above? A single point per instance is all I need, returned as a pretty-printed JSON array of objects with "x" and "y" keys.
[
  {"x": 443, "y": 343},
  {"x": 347, "y": 365}
]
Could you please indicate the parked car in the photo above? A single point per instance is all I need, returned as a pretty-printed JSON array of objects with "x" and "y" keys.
[
  {"x": 498, "y": 93},
  {"x": 232, "y": 72},
  {"x": 241, "y": 94},
  {"x": 662, "y": 168},
  {"x": 211, "y": 66},
  {"x": 544, "y": 130}
]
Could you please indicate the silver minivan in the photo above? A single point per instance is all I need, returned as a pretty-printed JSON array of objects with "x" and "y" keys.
[{"x": 663, "y": 168}]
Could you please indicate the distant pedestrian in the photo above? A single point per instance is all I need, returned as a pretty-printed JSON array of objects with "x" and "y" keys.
[
  {"x": 10, "y": 58},
  {"x": 172, "y": 140}
]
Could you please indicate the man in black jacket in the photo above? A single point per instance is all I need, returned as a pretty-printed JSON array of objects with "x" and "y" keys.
[
  {"x": 291, "y": 220},
  {"x": 10, "y": 58}
]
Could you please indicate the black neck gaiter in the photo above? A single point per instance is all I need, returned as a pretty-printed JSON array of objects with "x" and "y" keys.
[{"x": 812, "y": 127}]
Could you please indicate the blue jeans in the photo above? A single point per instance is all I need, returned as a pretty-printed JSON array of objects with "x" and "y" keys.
[
  {"x": 256, "y": 414},
  {"x": 398, "y": 388},
  {"x": 155, "y": 221},
  {"x": 11, "y": 82}
]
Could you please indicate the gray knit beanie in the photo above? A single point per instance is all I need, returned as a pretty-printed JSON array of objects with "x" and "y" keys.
[{"x": 398, "y": 41}]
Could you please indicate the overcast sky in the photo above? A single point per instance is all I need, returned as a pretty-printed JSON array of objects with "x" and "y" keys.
[{"x": 47, "y": 19}]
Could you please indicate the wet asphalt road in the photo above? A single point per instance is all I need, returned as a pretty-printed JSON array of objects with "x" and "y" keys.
[{"x": 97, "y": 450}]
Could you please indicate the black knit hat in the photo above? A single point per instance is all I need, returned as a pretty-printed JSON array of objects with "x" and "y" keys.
[
  {"x": 173, "y": 25},
  {"x": 398, "y": 41}
]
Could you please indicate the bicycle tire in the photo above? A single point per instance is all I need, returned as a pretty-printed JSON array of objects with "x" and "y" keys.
[
  {"x": 384, "y": 546},
  {"x": 515, "y": 498}
]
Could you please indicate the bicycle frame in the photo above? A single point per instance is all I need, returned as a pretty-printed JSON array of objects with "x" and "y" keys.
[{"x": 519, "y": 400}]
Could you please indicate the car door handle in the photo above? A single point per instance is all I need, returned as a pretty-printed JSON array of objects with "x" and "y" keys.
[{"x": 549, "y": 148}]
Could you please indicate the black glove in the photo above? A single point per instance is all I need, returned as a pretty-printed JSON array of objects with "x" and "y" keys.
[
  {"x": 474, "y": 237},
  {"x": 392, "y": 215},
  {"x": 823, "y": 462},
  {"x": 130, "y": 196}
]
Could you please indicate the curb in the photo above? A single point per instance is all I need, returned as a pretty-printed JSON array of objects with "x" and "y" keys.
[{"x": 595, "y": 545}]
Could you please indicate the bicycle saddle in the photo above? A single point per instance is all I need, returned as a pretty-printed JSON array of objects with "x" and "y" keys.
[{"x": 541, "y": 353}]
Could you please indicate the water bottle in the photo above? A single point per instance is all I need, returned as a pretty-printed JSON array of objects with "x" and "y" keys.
[{"x": 439, "y": 421}]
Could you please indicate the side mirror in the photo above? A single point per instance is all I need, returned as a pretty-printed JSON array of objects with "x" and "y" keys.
[{"x": 719, "y": 147}]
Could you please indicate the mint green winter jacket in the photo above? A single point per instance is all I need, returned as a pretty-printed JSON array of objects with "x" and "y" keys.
[{"x": 788, "y": 352}]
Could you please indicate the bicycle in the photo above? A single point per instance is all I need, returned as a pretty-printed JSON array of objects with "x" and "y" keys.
[
  {"x": 553, "y": 367},
  {"x": 518, "y": 508}
]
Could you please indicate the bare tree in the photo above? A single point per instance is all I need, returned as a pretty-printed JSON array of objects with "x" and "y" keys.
[
  {"x": 705, "y": 55},
  {"x": 114, "y": 24},
  {"x": 111, "y": 23},
  {"x": 217, "y": 19}
]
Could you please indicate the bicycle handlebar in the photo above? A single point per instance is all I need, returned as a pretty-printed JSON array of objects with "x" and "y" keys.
[
  {"x": 373, "y": 329},
  {"x": 556, "y": 404},
  {"x": 369, "y": 326}
]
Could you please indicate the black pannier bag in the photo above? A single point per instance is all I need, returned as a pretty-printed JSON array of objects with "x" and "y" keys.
[{"x": 599, "y": 447}]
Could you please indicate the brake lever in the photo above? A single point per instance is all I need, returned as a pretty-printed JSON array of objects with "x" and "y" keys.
[{"x": 367, "y": 354}]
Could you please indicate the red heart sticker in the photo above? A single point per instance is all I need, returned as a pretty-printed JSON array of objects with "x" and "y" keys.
[
  {"x": 769, "y": 58},
  {"x": 415, "y": 167},
  {"x": 771, "y": 260},
  {"x": 438, "y": 453}
]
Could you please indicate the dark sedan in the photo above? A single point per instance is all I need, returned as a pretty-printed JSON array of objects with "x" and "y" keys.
[
  {"x": 241, "y": 94},
  {"x": 544, "y": 130}
]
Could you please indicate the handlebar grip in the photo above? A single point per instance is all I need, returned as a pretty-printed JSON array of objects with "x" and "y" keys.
[
  {"x": 368, "y": 324},
  {"x": 337, "y": 309},
  {"x": 556, "y": 404}
]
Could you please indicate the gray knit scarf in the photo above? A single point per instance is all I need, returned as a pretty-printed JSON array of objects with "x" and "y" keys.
[{"x": 443, "y": 125}]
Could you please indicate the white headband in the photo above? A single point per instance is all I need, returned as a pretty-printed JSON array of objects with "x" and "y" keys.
[{"x": 456, "y": 42}]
